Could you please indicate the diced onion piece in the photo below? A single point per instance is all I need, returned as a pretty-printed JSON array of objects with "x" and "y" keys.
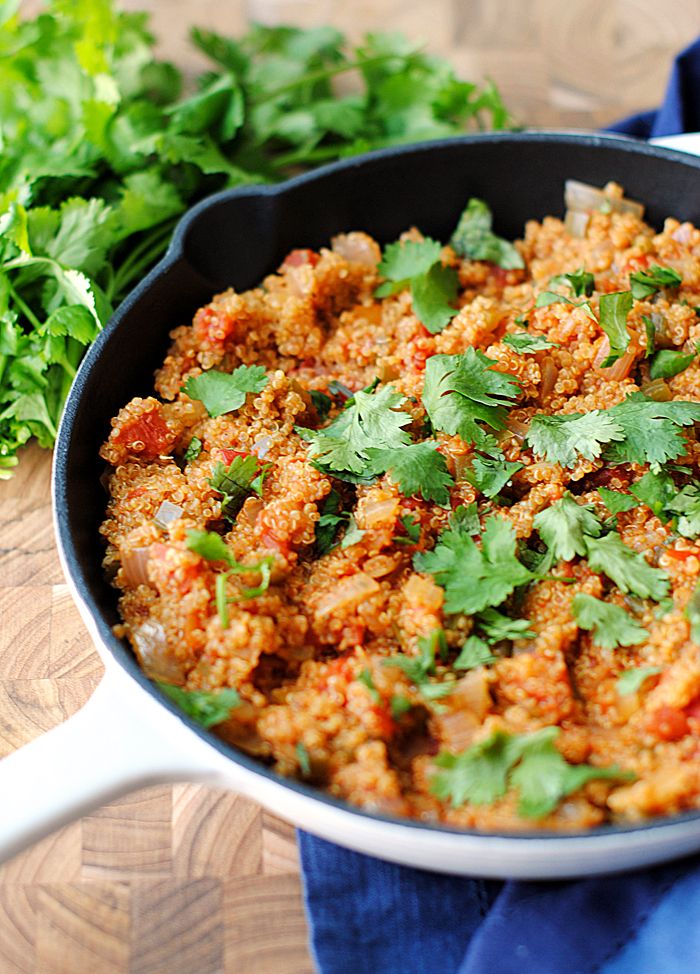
[
  {"x": 463, "y": 463},
  {"x": 517, "y": 428},
  {"x": 357, "y": 247},
  {"x": 251, "y": 508},
  {"x": 550, "y": 373},
  {"x": 619, "y": 369},
  {"x": 348, "y": 592},
  {"x": 576, "y": 223},
  {"x": 154, "y": 656},
  {"x": 657, "y": 390},
  {"x": 381, "y": 565},
  {"x": 261, "y": 447},
  {"x": 583, "y": 198},
  {"x": 378, "y": 511},
  {"x": 134, "y": 566},
  {"x": 167, "y": 513}
]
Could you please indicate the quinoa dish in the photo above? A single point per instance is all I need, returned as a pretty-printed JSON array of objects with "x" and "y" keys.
[{"x": 419, "y": 523}]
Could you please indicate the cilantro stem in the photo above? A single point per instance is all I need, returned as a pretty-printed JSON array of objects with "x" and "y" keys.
[
  {"x": 24, "y": 307},
  {"x": 141, "y": 257},
  {"x": 324, "y": 73}
]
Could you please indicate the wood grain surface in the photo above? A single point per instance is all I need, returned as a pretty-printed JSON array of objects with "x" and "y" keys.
[{"x": 184, "y": 879}]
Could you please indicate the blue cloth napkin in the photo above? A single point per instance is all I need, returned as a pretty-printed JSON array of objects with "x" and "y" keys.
[{"x": 372, "y": 917}]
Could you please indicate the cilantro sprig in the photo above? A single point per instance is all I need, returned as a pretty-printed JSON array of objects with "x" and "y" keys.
[
  {"x": 212, "y": 546},
  {"x": 529, "y": 763},
  {"x": 474, "y": 238},
  {"x": 243, "y": 477},
  {"x": 416, "y": 265},
  {"x": 646, "y": 283},
  {"x": 223, "y": 392},
  {"x": 610, "y": 624},
  {"x": 614, "y": 309}
]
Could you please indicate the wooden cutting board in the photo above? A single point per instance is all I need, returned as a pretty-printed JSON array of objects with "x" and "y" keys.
[{"x": 169, "y": 880}]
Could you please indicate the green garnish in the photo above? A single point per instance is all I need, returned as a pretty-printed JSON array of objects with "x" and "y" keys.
[
  {"x": 222, "y": 392},
  {"x": 564, "y": 527},
  {"x": 562, "y": 438},
  {"x": 412, "y": 529},
  {"x": 646, "y": 283},
  {"x": 212, "y": 546},
  {"x": 656, "y": 490},
  {"x": 243, "y": 477},
  {"x": 630, "y": 681},
  {"x": 418, "y": 669},
  {"x": 651, "y": 430},
  {"x": 530, "y": 763},
  {"x": 322, "y": 402},
  {"x": 417, "y": 469},
  {"x": 615, "y": 501},
  {"x": 399, "y": 706},
  {"x": 686, "y": 506},
  {"x": 475, "y": 652},
  {"x": 496, "y": 626},
  {"x": 614, "y": 309},
  {"x": 474, "y": 238},
  {"x": 416, "y": 265},
  {"x": 206, "y": 707},
  {"x": 303, "y": 759},
  {"x": 475, "y": 578},
  {"x": 611, "y": 625},
  {"x": 628, "y": 569},
  {"x": 526, "y": 344},
  {"x": 329, "y": 523},
  {"x": 365, "y": 678},
  {"x": 668, "y": 362},
  {"x": 353, "y": 534},
  {"x": 194, "y": 448},
  {"x": 692, "y": 614},
  {"x": 545, "y": 298},
  {"x": 489, "y": 474},
  {"x": 581, "y": 282},
  {"x": 463, "y": 391},
  {"x": 650, "y": 330}
]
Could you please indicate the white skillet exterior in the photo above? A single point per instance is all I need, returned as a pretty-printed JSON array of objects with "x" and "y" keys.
[{"x": 124, "y": 738}]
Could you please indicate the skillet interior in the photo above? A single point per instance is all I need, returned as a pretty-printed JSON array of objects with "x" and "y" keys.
[{"x": 238, "y": 236}]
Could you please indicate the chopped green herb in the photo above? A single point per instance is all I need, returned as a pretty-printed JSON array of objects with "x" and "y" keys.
[
  {"x": 581, "y": 282},
  {"x": 416, "y": 264},
  {"x": 545, "y": 298},
  {"x": 614, "y": 309},
  {"x": 193, "y": 450},
  {"x": 526, "y": 344},
  {"x": 668, "y": 362},
  {"x": 475, "y": 578},
  {"x": 646, "y": 283},
  {"x": 611, "y": 625},
  {"x": 465, "y": 518},
  {"x": 223, "y": 600},
  {"x": 412, "y": 529},
  {"x": 564, "y": 527},
  {"x": 207, "y": 708},
  {"x": 417, "y": 469},
  {"x": 686, "y": 505},
  {"x": 463, "y": 391},
  {"x": 475, "y": 239},
  {"x": 561, "y": 439},
  {"x": 531, "y": 763},
  {"x": 615, "y": 501},
  {"x": 489, "y": 475},
  {"x": 628, "y": 569},
  {"x": 419, "y": 668},
  {"x": 399, "y": 706},
  {"x": 303, "y": 759},
  {"x": 651, "y": 430},
  {"x": 209, "y": 545},
  {"x": 692, "y": 614},
  {"x": 243, "y": 476},
  {"x": 663, "y": 608},
  {"x": 475, "y": 652},
  {"x": 329, "y": 523},
  {"x": 222, "y": 392},
  {"x": 352, "y": 535},
  {"x": 655, "y": 490},
  {"x": 365, "y": 677},
  {"x": 322, "y": 402},
  {"x": 496, "y": 626},
  {"x": 630, "y": 681}
]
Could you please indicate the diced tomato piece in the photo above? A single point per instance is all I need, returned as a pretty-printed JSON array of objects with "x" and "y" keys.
[
  {"x": 693, "y": 709},
  {"x": 297, "y": 258},
  {"x": 212, "y": 327},
  {"x": 228, "y": 455},
  {"x": 668, "y": 724},
  {"x": 147, "y": 436},
  {"x": 680, "y": 554}
]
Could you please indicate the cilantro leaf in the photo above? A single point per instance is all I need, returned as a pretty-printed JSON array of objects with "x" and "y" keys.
[
  {"x": 243, "y": 476},
  {"x": 475, "y": 578},
  {"x": 614, "y": 309},
  {"x": 669, "y": 362},
  {"x": 462, "y": 391},
  {"x": 526, "y": 344},
  {"x": 655, "y": 490},
  {"x": 611, "y": 625},
  {"x": 365, "y": 677},
  {"x": 628, "y": 569},
  {"x": 222, "y": 392},
  {"x": 477, "y": 775},
  {"x": 497, "y": 626},
  {"x": 329, "y": 523},
  {"x": 370, "y": 421},
  {"x": 560, "y": 439},
  {"x": 580, "y": 281},
  {"x": 545, "y": 298},
  {"x": 564, "y": 527},
  {"x": 399, "y": 706},
  {"x": 194, "y": 448},
  {"x": 353, "y": 534},
  {"x": 418, "y": 669},
  {"x": 475, "y": 652},
  {"x": 474, "y": 238},
  {"x": 412, "y": 529},
  {"x": 650, "y": 331},
  {"x": 631, "y": 681},
  {"x": 416, "y": 264},
  {"x": 646, "y": 283},
  {"x": 685, "y": 504},
  {"x": 489, "y": 475},
  {"x": 206, "y": 707},
  {"x": 651, "y": 430},
  {"x": 615, "y": 501},
  {"x": 417, "y": 468},
  {"x": 209, "y": 545}
]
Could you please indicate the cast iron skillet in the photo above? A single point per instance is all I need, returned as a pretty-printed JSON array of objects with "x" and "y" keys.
[{"x": 234, "y": 239}]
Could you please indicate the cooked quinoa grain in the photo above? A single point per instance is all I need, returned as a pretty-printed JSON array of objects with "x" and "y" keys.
[{"x": 451, "y": 573}]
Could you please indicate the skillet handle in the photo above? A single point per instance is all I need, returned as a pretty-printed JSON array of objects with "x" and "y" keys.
[{"x": 117, "y": 742}]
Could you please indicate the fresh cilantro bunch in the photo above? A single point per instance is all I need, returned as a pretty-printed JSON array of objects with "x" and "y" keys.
[{"x": 101, "y": 155}]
